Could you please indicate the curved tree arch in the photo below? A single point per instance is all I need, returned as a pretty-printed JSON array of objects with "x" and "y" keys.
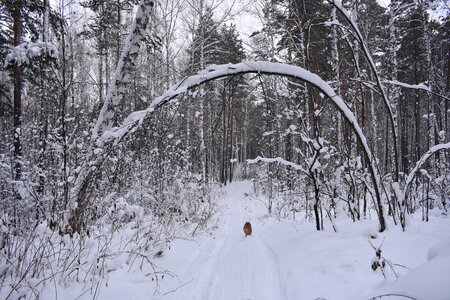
[
  {"x": 338, "y": 5},
  {"x": 403, "y": 196},
  {"x": 214, "y": 72}
]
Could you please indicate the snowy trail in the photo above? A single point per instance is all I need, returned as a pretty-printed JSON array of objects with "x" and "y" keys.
[
  {"x": 283, "y": 259},
  {"x": 237, "y": 267}
]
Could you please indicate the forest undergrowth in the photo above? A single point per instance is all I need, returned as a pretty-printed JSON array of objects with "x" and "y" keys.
[{"x": 126, "y": 235}]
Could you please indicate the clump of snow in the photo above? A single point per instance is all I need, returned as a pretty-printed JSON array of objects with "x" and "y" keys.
[
  {"x": 420, "y": 86},
  {"x": 22, "y": 53},
  {"x": 429, "y": 280},
  {"x": 331, "y": 23}
]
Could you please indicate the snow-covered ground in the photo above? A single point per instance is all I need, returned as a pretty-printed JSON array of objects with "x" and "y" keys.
[{"x": 289, "y": 260}]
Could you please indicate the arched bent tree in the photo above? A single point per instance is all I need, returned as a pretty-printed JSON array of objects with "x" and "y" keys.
[{"x": 214, "y": 72}]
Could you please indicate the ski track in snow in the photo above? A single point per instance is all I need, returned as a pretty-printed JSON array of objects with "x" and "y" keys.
[
  {"x": 237, "y": 267},
  {"x": 283, "y": 259}
]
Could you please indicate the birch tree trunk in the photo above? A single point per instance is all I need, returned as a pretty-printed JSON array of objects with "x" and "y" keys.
[
  {"x": 395, "y": 90},
  {"x": 45, "y": 33},
  {"x": 335, "y": 71},
  {"x": 96, "y": 152}
]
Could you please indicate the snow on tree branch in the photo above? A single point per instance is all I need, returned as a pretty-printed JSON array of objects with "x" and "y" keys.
[
  {"x": 359, "y": 37},
  {"x": 126, "y": 62},
  {"x": 279, "y": 160},
  {"x": 23, "y": 53},
  {"x": 403, "y": 195},
  {"x": 214, "y": 72},
  {"x": 420, "y": 86},
  {"x": 422, "y": 160}
]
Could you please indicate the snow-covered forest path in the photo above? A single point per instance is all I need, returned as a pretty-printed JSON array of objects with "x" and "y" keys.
[
  {"x": 232, "y": 266},
  {"x": 284, "y": 259}
]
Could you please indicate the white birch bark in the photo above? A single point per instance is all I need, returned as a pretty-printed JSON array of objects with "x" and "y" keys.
[
  {"x": 335, "y": 70},
  {"x": 126, "y": 63},
  {"x": 46, "y": 22},
  {"x": 95, "y": 153}
]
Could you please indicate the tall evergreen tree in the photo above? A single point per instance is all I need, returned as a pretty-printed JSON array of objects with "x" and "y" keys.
[
  {"x": 412, "y": 69},
  {"x": 233, "y": 96}
]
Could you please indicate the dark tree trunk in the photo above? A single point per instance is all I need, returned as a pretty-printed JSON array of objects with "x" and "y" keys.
[
  {"x": 230, "y": 136},
  {"x": 63, "y": 116},
  {"x": 223, "y": 173},
  {"x": 17, "y": 107},
  {"x": 316, "y": 206}
]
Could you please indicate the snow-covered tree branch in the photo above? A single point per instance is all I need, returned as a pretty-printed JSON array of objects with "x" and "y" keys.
[
  {"x": 362, "y": 42},
  {"x": 139, "y": 136},
  {"x": 96, "y": 154},
  {"x": 278, "y": 160},
  {"x": 259, "y": 67},
  {"x": 403, "y": 195}
]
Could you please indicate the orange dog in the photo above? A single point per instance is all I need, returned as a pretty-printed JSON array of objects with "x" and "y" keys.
[{"x": 248, "y": 228}]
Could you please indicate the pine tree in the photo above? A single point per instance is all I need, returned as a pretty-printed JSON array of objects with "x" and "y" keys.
[
  {"x": 32, "y": 63},
  {"x": 231, "y": 51},
  {"x": 204, "y": 48},
  {"x": 412, "y": 70},
  {"x": 17, "y": 108}
]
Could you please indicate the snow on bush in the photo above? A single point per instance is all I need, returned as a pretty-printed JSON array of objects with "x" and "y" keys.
[{"x": 128, "y": 237}]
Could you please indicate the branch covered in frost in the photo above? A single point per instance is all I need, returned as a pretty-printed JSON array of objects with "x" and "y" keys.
[
  {"x": 23, "y": 53},
  {"x": 422, "y": 160},
  {"x": 279, "y": 160},
  {"x": 359, "y": 37},
  {"x": 214, "y": 72},
  {"x": 420, "y": 86},
  {"x": 126, "y": 63}
]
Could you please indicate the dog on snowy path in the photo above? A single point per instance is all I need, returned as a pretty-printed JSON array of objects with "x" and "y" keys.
[{"x": 247, "y": 228}]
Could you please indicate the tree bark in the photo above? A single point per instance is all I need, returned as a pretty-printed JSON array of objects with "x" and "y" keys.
[
  {"x": 17, "y": 102},
  {"x": 378, "y": 81},
  {"x": 63, "y": 113},
  {"x": 95, "y": 154}
]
